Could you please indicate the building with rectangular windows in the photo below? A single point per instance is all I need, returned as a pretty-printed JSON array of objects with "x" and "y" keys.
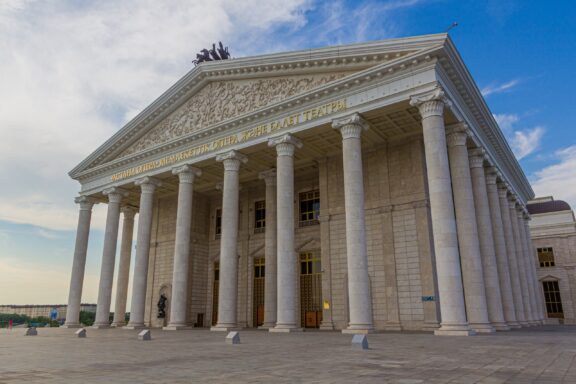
[
  {"x": 361, "y": 187},
  {"x": 553, "y": 229}
]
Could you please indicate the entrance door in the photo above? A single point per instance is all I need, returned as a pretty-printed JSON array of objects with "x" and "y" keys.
[
  {"x": 553, "y": 300},
  {"x": 310, "y": 289},
  {"x": 258, "y": 296},
  {"x": 215, "y": 288}
]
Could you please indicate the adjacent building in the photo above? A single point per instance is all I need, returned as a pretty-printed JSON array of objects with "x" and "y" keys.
[
  {"x": 360, "y": 187},
  {"x": 553, "y": 229}
]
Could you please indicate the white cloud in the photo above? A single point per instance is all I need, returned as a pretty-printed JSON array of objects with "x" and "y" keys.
[
  {"x": 72, "y": 73},
  {"x": 506, "y": 120},
  {"x": 559, "y": 179},
  {"x": 523, "y": 142},
  {"x": 526, "y": 142},
  {"x": 499, "y": 88}
]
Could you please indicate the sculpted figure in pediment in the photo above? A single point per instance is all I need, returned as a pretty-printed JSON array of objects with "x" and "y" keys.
[{"x": 223, "y": 100}]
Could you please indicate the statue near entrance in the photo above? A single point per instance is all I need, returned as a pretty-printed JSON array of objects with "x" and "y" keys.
[
  {"x": 220, "y": 53},
  {"x": 162, "y": 307}
]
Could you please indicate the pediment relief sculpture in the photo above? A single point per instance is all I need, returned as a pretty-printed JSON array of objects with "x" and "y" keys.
[{"x": 223, "y": 100}]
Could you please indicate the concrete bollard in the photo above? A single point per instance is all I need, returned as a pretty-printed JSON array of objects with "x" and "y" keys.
[
  {"x": 31, "y": 331},
  {"x": 360, "y": 342},
  {"x": 80, "y": 333},
  {"x": 233, "y": 338},
  {"x": 145, "y": 335}
]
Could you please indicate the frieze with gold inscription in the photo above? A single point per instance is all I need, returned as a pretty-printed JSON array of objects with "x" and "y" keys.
[{"x": 249, "y": 134}]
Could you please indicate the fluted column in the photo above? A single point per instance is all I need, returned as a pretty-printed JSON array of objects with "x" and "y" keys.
[
  {"x": 447, "y": 256},
  {"x": 85, "y": 205},
  {"x": 531, "y": 312},
  {"x": 359, "y": 297},
  {"x": 147, "y": 187},
  {"x": 288, "y": 312},
  {"x": 532, "y": 261},
  {"x": 228, "y": 289},
  {"x": 470, "y": 257},
  {"x": 271, "y": 262},
  {"x": 124, "y": 266},
  {"x": 500, "y": 249},
  {"x": 519, "y": 258},
  {"x": 511, "y": 254},
  {"x": 486, "y": 237},
  {"x": 178, "y": 308},
  {"x": 115, "y": 195}
]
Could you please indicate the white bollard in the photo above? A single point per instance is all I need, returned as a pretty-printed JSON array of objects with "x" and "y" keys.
[
  {"x": 233, "y": 338},
  {"x": 80, "y": 333},
  {"x": 145, "y": 335},
  {"x": 31, "y": 331},
  {"x": 360, "y": 342}
]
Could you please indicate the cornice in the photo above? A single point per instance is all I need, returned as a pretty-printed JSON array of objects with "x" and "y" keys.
[{"x": 341, "y": 58}]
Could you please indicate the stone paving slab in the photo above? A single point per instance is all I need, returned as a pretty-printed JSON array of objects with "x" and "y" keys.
[{"x": 534, "y": 355}]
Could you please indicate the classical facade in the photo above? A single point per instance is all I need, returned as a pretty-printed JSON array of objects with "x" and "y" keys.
[
  {"x": 553, "y": 229},
  {"x": 360, "y": 187}
]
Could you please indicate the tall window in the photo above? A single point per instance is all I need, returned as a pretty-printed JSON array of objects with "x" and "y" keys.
[
  {"x": 309, "y": 208},
  {"x": 553, "y": 301},
  {"x": 259, "y": 216},
  {"x": 218, "y": 229},
  {"x": 310, "y": 289},
  {"x": 546, "y": 257}
]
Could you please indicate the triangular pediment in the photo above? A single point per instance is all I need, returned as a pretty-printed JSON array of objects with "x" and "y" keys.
[
  {"x": 223, "y": 100},
  {"x": 216, "y": 92}
]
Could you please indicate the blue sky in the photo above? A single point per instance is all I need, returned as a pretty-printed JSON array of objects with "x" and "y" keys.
[{"x": 73, "y": 73}]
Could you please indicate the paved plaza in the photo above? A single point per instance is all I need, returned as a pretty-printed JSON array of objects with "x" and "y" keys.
[{"x": 543, "y": 355}]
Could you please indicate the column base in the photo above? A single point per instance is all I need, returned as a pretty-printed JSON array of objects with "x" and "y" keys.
[
  {"x": 500, "y": 326},
  {"x": 171, "y": 327},
  {"x": 285, "y": 330},
  {"x": 534, "y": 323},
  {"x": 454, "y": 330},
  {"x": 72, "y": 326},
  {"x": 117, "y": 325},
  {"x": 357, "y": 331},
  {"x": 224, "y": 328},
  {"x": 135, "y": 326},
  {"x": 482, "y": 328},
  {"x": 524, "y": 324},
  {"x": 101, "y": 326},
  {"x": 326, "y": 326},
  {"x": 266, "y": 326}
]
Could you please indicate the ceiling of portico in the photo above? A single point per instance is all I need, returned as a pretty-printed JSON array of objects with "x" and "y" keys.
[{"x": 386, "y": 125}]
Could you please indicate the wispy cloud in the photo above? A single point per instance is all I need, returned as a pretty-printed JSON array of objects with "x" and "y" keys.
[
  {"x": 499, "y": 88},
  {"x": 526, "y": 142},
  {"x": 523, "y": 141},
  {"x": 558, "y": 179}
]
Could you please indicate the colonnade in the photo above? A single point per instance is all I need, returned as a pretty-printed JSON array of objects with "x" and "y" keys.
[{"x": 485, "y": 268}]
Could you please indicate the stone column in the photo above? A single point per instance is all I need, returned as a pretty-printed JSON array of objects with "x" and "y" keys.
[
  {"x": 486, "y": 237},
  {"x": 271, "y": 262},
  {"x": 511, "y": 254},
  {"x": 180, "y": 271},
  {"x": 359, "y": 297},
  {"x": 532, "y": 262},
  {"x": 520, "y": 259},
  {"x": 472, "y": 273},
  {"x": 500, "y": 249},
  {"x": 288, "y": 309},
  {"x": 108, "y": 257},
  {"x": 228, "y": 288},
  {"x": 124, "y": 267},
  {"x": 147, "y": 186},
  {"x": 531, "y": 315},
  {"x": 450, "y": 289},
  {"x": 79, "y": 263}
]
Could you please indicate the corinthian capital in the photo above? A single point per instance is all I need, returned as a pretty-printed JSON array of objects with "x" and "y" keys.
[
  {"x": 186, "y": 173},
  {"x": 232, "y": 160},
  {"x": 350, "y": 126},
  {"x": 85, "y": 202},
  {"x": 431, "y": 103},
  {"x": 285, "y": 144}
]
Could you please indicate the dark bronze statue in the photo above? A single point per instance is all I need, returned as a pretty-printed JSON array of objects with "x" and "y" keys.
[
  {"x": 220, "y": 53},
  {"x": 162, "y": 306}
]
